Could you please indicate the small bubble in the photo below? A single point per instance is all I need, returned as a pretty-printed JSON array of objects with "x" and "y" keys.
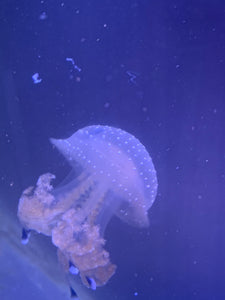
[
  {"x": 144, "y": 109},
  {"x": 43, "y": 16},
  {"x": 106, "y": 105}
]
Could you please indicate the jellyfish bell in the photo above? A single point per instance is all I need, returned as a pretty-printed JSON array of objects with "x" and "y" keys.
[
  {"x": 115, "y": 176},
  {"x": 116, "y": 160}
]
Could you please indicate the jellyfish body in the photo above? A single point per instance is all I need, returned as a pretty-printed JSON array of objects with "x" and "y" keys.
[{"x": 115, "y": 175}]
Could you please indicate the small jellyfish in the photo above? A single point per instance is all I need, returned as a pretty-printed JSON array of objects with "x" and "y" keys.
[{"x": 112, "y": 174}]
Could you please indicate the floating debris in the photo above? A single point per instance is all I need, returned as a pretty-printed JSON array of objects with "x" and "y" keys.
[
  {"x": 132, "y": 76},
  {"x": 36, "y": 78},
  {"x": 73, "y": 63}
]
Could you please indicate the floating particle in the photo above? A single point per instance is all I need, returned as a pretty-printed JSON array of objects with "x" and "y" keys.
[
  {"x": 43, "y": 16},
  {"x": 136, "y": 294},
  {"x": 132, "y": 76},
  {"x": 73, "y": 63},
  {"x": 36, "y": 78},
  {"x": 144, "y": 109},
  {"x": 106, "y": 105}
]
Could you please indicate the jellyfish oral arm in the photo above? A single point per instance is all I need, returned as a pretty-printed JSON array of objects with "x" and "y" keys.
[{"x": 79, "y": 242}]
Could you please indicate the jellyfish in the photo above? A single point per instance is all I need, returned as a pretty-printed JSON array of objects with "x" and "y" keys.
[{"x": 112, "y": 174}]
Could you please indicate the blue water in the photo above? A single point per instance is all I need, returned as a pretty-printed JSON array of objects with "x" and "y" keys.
[{"x": 155, "y": 69}]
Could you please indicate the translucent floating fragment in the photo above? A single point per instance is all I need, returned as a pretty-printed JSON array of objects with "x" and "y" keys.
[
  {"x": 73, "y": 63},
  {"x": 36, "y": 78}
]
